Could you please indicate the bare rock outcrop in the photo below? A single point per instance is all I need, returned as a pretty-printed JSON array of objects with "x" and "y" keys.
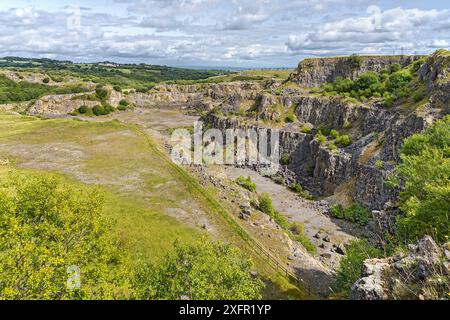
[
  {"x": 61, "y": 104},
  {"x": 315, "y": 72},
  {"x": 422, "y": 273}
]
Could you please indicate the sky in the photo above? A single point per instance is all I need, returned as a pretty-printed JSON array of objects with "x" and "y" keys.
[{"x": 220, "y": 33}]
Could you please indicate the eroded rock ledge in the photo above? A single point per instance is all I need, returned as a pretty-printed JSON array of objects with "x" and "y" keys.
[{"x": 421, "y": 273}]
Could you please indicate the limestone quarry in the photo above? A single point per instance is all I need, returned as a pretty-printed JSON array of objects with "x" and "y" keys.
[{"x": 331, "y": 173}]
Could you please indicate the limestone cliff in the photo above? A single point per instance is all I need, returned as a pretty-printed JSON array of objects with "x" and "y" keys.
[{"x": 315, "y": 72}]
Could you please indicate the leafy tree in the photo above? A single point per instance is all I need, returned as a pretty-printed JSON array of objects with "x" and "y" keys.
[
  {"x": 204, "y": 270},
  {"x": 425, "y": 171},
  {"x": 47, "y": 226},
  {"x": 367, "y": 80}
]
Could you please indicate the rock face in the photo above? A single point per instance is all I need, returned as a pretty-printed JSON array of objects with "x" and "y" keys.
[
  {"x": 422, "y": 273},
  {"x": 60, "y": 104},
  {"x": 376, "y": 134},
  {"x": 315, "y": 72},
  {"x": 226, "y": 97}
]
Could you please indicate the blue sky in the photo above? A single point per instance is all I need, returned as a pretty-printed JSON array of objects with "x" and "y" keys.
[{"x": 239, "y": 33}]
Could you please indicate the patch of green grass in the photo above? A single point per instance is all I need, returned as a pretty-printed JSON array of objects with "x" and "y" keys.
[{"x": 246, "y": 183}]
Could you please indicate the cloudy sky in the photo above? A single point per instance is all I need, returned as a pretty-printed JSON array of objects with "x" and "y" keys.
[{"x": 242, "y": 33}]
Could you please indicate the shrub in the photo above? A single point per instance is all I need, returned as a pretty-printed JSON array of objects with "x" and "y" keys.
[
  {"x": 101, "y": 93},
  {"x": 83, "y": 109},
  {"x": 343, "y": 141},
  {"x": 124, "y": 102},
  {"x": 399, "y": 79},
  {"x": 320, "y": 138},
  {"x": 334, "y": 133},
  {"x": 200, "y": 271},
  {"x": 355, "y": 213},
  {"x": 347, "y": 125},
  {"x": 117, "y": 88},
  {"x": 48, "y": 225},
  {"x": 100, "y": 110},
  {"x": 285, "y": 159},
  {"x": 394, "y": 67},
  {"x": 290, "y": 118},
  {"x": 350, "y": 267},
  {"x": 425, "y": 170},
  {"x": 246, "y": 183},
  {"x": 298, "y": 231},
  {"x": 355, "y": 61},
  {"x": 46, "y": 80},
  {"x": 379, "y": 164},
  {"x": 332, "y": 146},
  {"x": 266, "y": 206},
  {"x": 299, "y": 190},
  {"x": 306, "y": 129},
  {"x": 418, "y": 96},
  {"x": 367, "y": 80},
  {"x": 388, "y": 100}
]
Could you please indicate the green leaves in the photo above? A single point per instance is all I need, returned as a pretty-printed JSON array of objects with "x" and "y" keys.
[
  {"x": 425, "y": 198},
  {"x": 46, "y": 226},
  {"x": 204, "y": 270},
  {"x": 354, "y": 213},
  {"x": 350, "y": 267}
]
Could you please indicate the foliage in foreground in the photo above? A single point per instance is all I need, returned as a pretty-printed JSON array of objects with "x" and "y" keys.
[
  {"x": 425, "y": 171},
  {"x": 350, "y": 267},
  {"x": 204, "y": 270},
  {"x": 46, "y": 227},
  {"x": 50, "y": 227}
]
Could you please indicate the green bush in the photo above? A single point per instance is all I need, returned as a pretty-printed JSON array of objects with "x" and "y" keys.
[
  {"x": 285, "y": 159},
  {"x": 334, "y": 134},
  {"x": 246, "y": 183},
  {"x": 355, "y": 213},
  {"x": 83, "y": 109},
  {"x": 298, "y": 231},
  {"x": 306, "y": 129},
  {"x": 200, "y": 271},
  {"x": 290, "y": 118},
  {"x": 46, "y": 80},
  {"x": 320, "y": 138},
  {"x": 101, "y": 110},
  {"x": 117, "y": 88},
  {"x": 266, "y": 206},
  {"x": 47, "y": 225},
  {"x": 379, "y": 164},
  {"x": 343, "y": 141},
  {"x": 418, "y": 96},
  {"x": 101, "y": 93},
  {"x": 350, "y": 267},
  {"x": 425, "y": 170}
]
